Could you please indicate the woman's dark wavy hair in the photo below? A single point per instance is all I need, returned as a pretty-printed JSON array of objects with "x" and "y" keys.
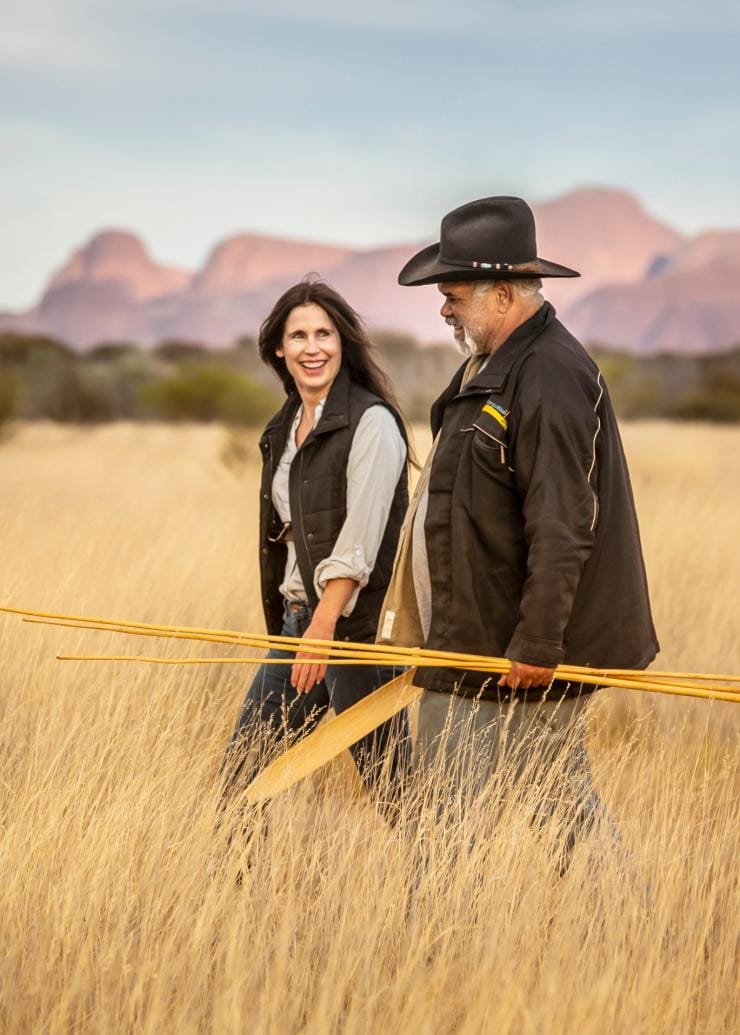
[{"x": 357, "y": 349}]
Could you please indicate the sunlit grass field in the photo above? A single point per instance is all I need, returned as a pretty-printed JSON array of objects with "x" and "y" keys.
[{"x": 120, "y": 907}]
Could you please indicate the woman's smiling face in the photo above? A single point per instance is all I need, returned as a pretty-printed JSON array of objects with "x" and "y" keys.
[{"x": 312, "y": 349}]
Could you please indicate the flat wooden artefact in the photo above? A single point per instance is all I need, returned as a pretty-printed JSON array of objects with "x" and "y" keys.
[{"x": 331, "y": 738}]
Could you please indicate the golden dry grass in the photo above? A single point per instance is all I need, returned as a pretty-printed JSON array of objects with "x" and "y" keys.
[{"x": 119, "y": 907}]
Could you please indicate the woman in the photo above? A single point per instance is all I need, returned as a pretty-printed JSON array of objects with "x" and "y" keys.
[{"x": 333, "y": 496}]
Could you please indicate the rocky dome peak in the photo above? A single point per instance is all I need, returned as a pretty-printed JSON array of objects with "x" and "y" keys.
[
  {"x": 595, "y": 195},
  {"x": 116, "y": 244},
  {"x": 605, "y": 234},
  {"x": 247, "y": 261},
  {"x": 121, "y": 257}
]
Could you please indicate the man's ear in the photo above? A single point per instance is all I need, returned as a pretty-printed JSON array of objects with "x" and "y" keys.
[{"x": 504, "y": 296}]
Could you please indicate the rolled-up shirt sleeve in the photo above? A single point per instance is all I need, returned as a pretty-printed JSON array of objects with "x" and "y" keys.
[{"x": 376, "y": 460}]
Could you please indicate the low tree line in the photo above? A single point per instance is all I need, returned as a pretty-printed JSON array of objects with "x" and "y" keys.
[
  {"x": 676, "y": 387},
  {"x": 42, "y": 378}
]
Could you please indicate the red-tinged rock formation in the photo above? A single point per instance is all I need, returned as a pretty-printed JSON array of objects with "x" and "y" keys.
[
  {"x": 248, "y": 262},
  {"x": 712, "y": 250},
  {"x": 689, "y": 301},
  {"x": 119, "y": 257},
  {"x": 643, "y": 285},
  {"x": 89, "y": 312},
  {"x": 693, "y": 311},
  {"x": 216, "y": 321},
  {"x": 369, "y": 281},
  {"x": 605, "y": 234}
]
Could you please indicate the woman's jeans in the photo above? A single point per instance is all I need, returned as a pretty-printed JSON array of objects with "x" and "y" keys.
[{"x": 275, "y": 712}]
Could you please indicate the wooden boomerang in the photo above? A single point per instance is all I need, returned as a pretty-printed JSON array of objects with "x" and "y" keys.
[{"x": 331, "y": 738}]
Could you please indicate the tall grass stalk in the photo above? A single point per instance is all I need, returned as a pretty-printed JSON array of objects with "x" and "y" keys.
[{"x": 123, "y": 907}]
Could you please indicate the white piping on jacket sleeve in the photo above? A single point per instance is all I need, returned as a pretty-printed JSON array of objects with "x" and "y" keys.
[{"x": 600, "y": 385}]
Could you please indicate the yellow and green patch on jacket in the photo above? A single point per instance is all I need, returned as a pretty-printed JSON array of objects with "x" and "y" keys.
[{"x": 492, "y": 419}]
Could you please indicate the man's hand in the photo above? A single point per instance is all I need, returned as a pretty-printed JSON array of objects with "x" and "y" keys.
[
  {"x": 526, "y": 676},
  {"x": 304, "y": 676}
]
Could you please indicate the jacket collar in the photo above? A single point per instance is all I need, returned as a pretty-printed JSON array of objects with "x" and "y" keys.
[
  {"x": 493, "y": 376},
  {"x": 495, "y": 372},
  {"x": 284, "y": 415}
]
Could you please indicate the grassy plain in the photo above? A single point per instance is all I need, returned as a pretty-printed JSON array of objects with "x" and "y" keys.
[{"x": 119, "y": 910}]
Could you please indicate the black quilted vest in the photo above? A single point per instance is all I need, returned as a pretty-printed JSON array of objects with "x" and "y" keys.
[{"x": 318, "y": 505}]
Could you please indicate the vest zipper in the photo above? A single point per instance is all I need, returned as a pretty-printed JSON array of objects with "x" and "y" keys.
[
  {"x": 300, "y": 509},
  {"x": 270, "y": 506}
]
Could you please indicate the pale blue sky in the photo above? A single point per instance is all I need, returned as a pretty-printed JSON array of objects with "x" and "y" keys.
[{"x": 187, "y": 121}]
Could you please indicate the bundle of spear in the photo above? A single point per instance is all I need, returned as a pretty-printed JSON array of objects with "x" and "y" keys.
[{"x": 332, "y": 737}]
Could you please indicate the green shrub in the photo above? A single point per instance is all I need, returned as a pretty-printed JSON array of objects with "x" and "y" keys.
[
  {"x": 175, "y": 351},
  {"x": 18, "y": 349},
  {"x": 203, "y": 392},
  {"x": 122, "y": 377},
  {"x": 73, "y": 396},
  {"x": 717, "y": 400},
  {"x": 8, "y": 399},
  {"x": 111, "y": 351}
]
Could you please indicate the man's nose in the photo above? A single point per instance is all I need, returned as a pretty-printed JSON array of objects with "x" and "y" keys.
[{"x": 445, "y": 310}]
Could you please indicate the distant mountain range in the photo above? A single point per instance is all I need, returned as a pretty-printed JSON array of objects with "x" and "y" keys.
[{"x": 644, "y": 287}]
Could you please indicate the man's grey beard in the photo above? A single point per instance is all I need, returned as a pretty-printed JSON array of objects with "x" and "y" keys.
[{"x": 469, "y": 346}]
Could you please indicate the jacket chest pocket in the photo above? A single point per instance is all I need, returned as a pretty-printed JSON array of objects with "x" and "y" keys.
[{"x": 490, "y": 435}]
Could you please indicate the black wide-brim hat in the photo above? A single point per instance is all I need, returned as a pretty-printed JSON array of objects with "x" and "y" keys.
[{"x": 490, "y": 239}]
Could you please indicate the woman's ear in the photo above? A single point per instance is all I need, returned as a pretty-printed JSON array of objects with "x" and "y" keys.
[{"x": 280, "y": 352}]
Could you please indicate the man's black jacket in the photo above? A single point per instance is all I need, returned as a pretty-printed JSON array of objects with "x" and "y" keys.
[{"x": 534, "y": 550}]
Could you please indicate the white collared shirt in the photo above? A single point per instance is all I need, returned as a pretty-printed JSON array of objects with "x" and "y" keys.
[{"x": 376, "y": 459}]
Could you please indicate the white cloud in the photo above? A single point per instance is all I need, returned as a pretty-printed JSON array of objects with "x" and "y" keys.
[{"x": 48, "y": 36}]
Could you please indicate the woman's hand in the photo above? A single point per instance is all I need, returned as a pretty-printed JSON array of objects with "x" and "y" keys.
[
  {"x": 305, "y": 675},
  {"x": 310, "y": 669}
]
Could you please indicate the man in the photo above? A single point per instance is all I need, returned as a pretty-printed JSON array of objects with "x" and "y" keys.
[{"x": 522, "y": 538}]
